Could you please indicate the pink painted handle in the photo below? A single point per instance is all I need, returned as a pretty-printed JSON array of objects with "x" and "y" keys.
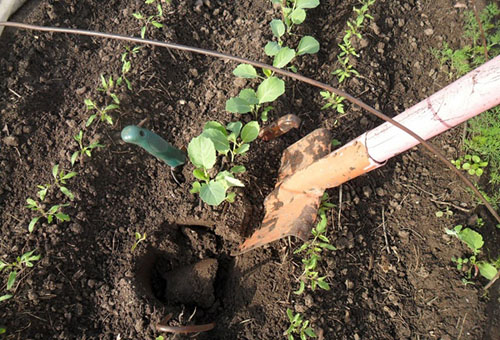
[{"x": 476, "y": 92}]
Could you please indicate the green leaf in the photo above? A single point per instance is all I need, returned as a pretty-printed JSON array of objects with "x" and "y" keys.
[
  {"x": 238, "y": 169},
  {"x": 3, "y": 298},
  {"x": 238, "y": 105},
  {"x": 277, "y": 27},
  {"x": 289, "y": 313},
  {"x": 137, "y": 16},
  {"x": 322, "y": 284},
  {"x": 306, "y": 3},
  {"x": 62, "y": 217},
  {"x": 249, "y": 96},
  {"x": 487, "y": 270},
  {"x": 200, "y": 174},
  {"x": 298, "y": 16},
  {"x": 272, "y": 48},
  {"x": 250, "y": 132},
  {"x": 55, "y": 171},
  {"x": 270, "y": 89},
  {"x": 31, "y": 226},
  {"x": 245, "y": 71},
  {"x": 267, "y": 72},
  {"x": 234, "y": 182},
  {"x": 215, "y": 125},
  {"x": 196, "y": 187},
  {"x": 201, "y": 151},
  {"x": 11, "y": 280},
  {"x": 235, "y": 128},
  {"x": 143, "y": 32},
  {"x": 69, "y": 175},
  {"x": 218, "y": 138},
  {"x": 472, "y": 238},
  {"x": 213, "y": 193},
  {"x": 283, "y": 57},
  {"x": 90, "y": 120},
  {"x": 156, "y": 24},
  {"x": 307, "y": 45},
  {"x": 159, "y": 8},
  {"x": 301, "y": 289},
  {"x": 231, "y": 197},
  {"x": 89, "y": 104},
  {"x": 68, "y": 193},
  {"x": 310, "y": 332},
  {"x": 242, "y": 149}
]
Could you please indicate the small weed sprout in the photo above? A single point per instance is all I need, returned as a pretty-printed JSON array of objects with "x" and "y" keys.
[
  {"x": 313, "y": 250},
  {"x": 447, "y": 213},
  {"x": 298, "y": 326},
  {"x": 332, "y": 101},
  {"x": 102, "y": 113},
  {"x": 126, "y": 66},
  {"x": 84, "y": 150},
  {"x": 152, "y": 19},
  {"x": 471, "y": 163},
  {"x": 60, "y": 178},
  {"x": 138, "y": 239},
  {"x": 107, "y": 87},
  {"x": 49, "y": 214},
  {"x": 232, "y": 140},
  {"x": 24, "y": 261}
]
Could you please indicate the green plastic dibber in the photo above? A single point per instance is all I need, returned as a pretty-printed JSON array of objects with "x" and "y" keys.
[{"x": 153, "y": 144}]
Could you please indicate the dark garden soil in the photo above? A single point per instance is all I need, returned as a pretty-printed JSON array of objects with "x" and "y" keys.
[{"x": 90, "y": 285}]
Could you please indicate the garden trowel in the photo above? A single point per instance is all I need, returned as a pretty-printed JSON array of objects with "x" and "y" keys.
[{"x": 308, "y": 167}]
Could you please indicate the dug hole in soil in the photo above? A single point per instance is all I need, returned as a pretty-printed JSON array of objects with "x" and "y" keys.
[{"x": 90, "y": 285}]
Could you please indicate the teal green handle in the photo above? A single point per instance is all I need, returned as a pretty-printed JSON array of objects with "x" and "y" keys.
[{"x": 153, "y": 144}]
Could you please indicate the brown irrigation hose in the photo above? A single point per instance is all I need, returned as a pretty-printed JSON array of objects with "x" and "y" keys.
[
  {"x": 161, "y": 327},
  {"x": 286, "y": 73}
]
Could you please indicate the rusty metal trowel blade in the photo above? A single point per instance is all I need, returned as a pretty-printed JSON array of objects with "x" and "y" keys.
[{"x": 290, "y": 212}]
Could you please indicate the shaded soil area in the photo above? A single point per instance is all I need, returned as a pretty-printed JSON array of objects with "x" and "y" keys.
[{"x": 392, "y": 275}]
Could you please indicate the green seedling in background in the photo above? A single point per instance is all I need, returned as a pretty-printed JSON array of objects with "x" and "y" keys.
[
  {"x": 294, "y": 11},
  {"x": 102, "y": 113},
  {"x": 474, "y": 241},
  {"x": 471, "y": 163},
  {"x": 333, "y": 101},
  {"x": 153, "y": 144},
  {"x": 107, "y": 86},
  {"x": 152, "y": 19},
  {"x": 216, "y": 140},
  {"x": 447, "y": 213},
  {"x": 138, "y": 239},
  {"x": 127, "y": 65},
  {"x": 313, "y": 250},
  {"x": 60, "y": 178},
  {"x": 84, "y": 150},
  {"x": 49, "y": 215},
  {"x": 298, "y": 326},
  {"x": 14, "y": 268}
]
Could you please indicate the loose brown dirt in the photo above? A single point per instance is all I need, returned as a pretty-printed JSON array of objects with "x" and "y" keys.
[{"x": 391, "y": 280}]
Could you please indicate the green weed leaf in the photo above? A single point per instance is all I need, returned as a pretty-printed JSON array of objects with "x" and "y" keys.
[
  {"x": 231, "y": 197},
  {"x": 3, "y": 298},
  {"x": 201, "y": 151},
  {"x": 277, "y": 27},
  {"x": 213, "y": 193},
  {"x": 68, "y": 193},
  {"x": 195, "y": 188},
  {"x": 250, "y": 132},
  {"x": 301, "y": 289},
  {"x": 307, "y": 45},
  {"x": 11, "y": 280},
  {"x": 245, "y": 71},
  {"x": 31, "y": 226},
  {"x": 270, "y": 89},
  {"x": 283, "y": 57}
]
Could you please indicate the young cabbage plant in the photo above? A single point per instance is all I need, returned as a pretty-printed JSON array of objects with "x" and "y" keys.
[
  {"x": 294, "y": 11},
  {"x": 216, "y": 140}
]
